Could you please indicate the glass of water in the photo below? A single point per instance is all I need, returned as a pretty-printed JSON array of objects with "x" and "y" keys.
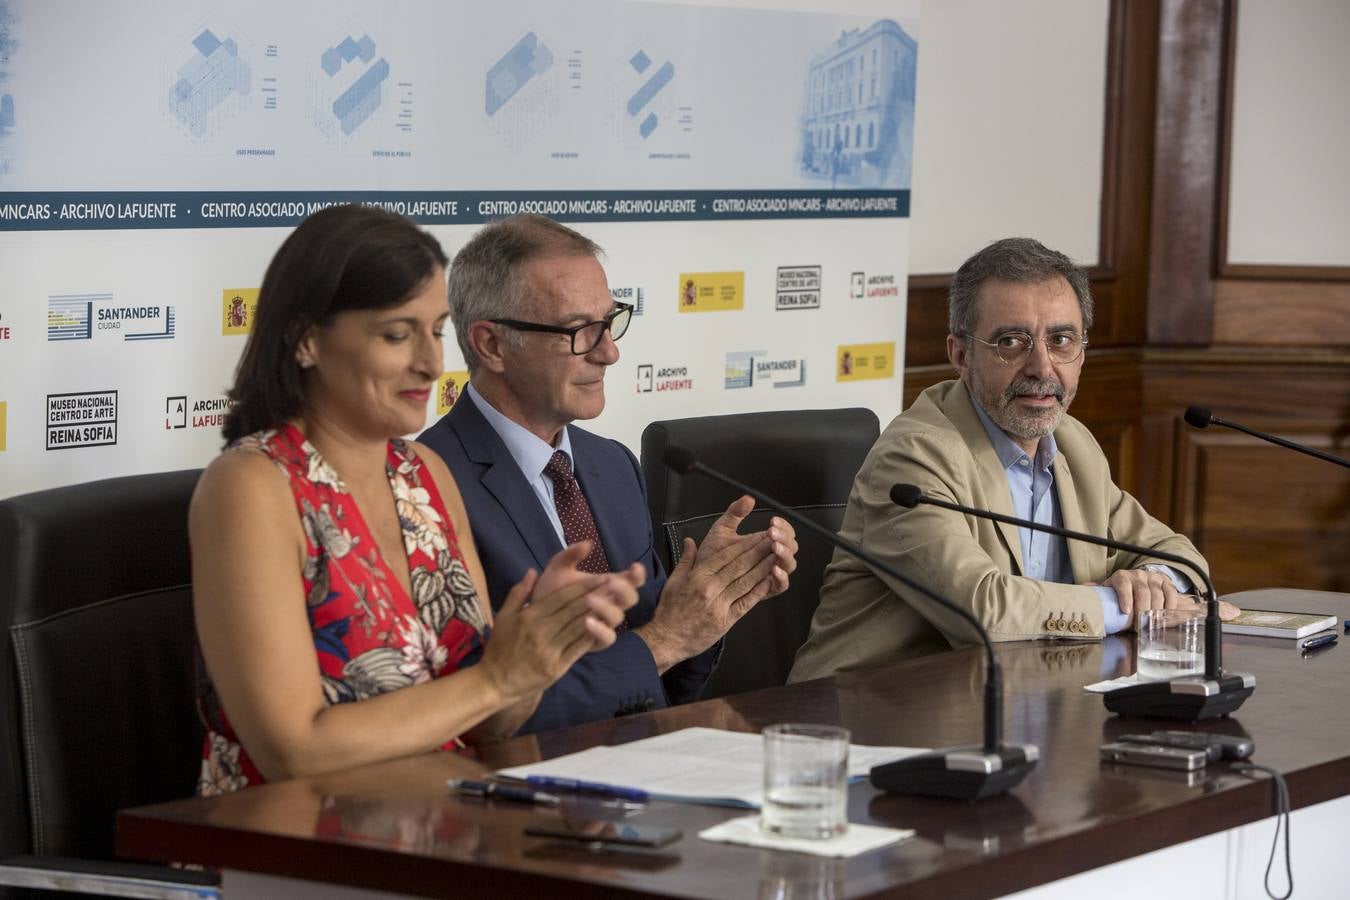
[
  {"x": 1171, "y": 643},
  {"x": 805, "y": 781}
]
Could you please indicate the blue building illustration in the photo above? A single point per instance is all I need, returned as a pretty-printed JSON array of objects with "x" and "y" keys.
[
  {"x": 356, "y": 104},
  {"x": 7, "y": 45},
  {"x": 650, "y": 88},
  {"x": 858, "y": 122},
  {"x": 509, "y": 74},
  {"x": 206, "y": 80}
]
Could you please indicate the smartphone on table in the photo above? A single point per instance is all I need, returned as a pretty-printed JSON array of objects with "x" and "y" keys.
[
  {"x": 603, "y": 831},
  {"x": 1154, "y": 755}
]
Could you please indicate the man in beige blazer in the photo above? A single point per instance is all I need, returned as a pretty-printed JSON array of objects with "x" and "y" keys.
[{"x": 998, "y": 438}]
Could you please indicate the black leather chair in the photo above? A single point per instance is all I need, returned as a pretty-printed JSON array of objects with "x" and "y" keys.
[
  {"x": 806, "y": 459},
  {"x": 97, "y": 705}
]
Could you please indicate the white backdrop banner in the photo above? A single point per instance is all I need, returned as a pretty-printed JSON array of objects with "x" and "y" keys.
[{"x": 747, "y": 171}]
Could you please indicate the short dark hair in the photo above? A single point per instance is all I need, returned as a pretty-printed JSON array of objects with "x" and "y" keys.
[
  {"x": 339, "y": 259},
  {"x": 1016, "y": 259},
  {"x": 485, "y": 278}
]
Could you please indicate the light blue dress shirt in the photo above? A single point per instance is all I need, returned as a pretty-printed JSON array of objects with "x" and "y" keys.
[
  {"x": 1031, "y": 483},
  {"x": 530, "y": 453}
]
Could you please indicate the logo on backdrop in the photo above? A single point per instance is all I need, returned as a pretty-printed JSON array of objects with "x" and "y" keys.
[
  {"x": 862, "y": 285},
  {"x": 184, "y": 412},
  {"x": 750, "y": 368},
  {"x": 4, "y": 329},
  {"x": 3, "y": 406},
  {"x": 449, "y": 387},
  {"x": 631, "y": 295},
  {"x": 711, "y": 291},
  {"x": 238, "y": 309},
  {"x": 798, "y": 287},
  {"x": 77, "y": 317},
  {"x": 81, "y": 420},
  {"x": 860, "y": 362},
  {"x": 651, "y": 379}
]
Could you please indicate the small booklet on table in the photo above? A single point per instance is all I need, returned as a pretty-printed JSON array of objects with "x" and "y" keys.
[{"x": 1270, "y": 623}]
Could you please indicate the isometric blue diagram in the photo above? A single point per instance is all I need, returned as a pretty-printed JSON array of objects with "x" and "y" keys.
[
  {"x": 333, "y": 58},
  {"x": 509, "y": 74},
  {"x": 358, "y": 102},
  {"x": 7, "y": 46},
  {"x": 641, "y": 62},
  {"x": 207, "y": 79}
]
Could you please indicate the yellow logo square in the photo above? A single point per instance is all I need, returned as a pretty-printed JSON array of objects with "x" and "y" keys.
[
  {"x": 711, "y": 291},
  {"x": 238, "y": 309},
  {"x": 859, "y": 362},
  {"x": 448, "y": 388}
]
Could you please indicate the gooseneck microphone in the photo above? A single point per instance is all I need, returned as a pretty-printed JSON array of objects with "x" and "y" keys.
[
  {"x": 961, "y": 773},
  {"x": 1199, "y": 417},
  {"x": 1187, "y": 698}
]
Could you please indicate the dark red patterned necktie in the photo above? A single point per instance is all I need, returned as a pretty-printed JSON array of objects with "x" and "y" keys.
[{"x": 575, "y": 513}]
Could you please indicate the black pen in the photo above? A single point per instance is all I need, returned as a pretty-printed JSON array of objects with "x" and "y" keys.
[
  {"x": 1317, "y": 641},
  {"x": 496, "y": 791}
]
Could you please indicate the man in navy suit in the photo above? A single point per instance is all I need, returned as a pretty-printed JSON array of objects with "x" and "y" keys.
[{"x": 536, "y": 324}]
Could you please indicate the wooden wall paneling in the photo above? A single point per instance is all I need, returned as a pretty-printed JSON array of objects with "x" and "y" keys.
[
  {"x": 1120, "y": 281},
  {"x": 1289, "y": 313},
  {"x": 1184, "y": 217},
  {"x": 926, "y": 322},
  {"x": 1291, "y": 529},
  {"x": 1262, "y": 515}
]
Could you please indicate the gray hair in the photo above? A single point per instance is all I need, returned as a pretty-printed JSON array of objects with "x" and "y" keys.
[
  {"x": 487, "y": 276},
  {"x": 1022, "y": 260}
]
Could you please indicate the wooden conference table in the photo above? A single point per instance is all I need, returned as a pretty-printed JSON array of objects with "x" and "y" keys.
[{"x": 394, "y": 827}]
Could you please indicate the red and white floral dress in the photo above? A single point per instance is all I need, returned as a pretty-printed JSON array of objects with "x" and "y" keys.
[{"x": 370, "y": 636}]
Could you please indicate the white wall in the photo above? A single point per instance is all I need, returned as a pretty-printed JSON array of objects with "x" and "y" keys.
[
  {"x": 1289, "y": 187},
  {"x": 1008, "y": 128}
]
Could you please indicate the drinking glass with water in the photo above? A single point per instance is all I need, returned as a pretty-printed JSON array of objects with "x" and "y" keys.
[
  {"x": 1171, "y": 643},
  {"x": 805, "y": 781}
]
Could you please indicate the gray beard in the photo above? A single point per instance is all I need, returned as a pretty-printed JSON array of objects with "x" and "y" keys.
[{"x": 1027, "y": 426}]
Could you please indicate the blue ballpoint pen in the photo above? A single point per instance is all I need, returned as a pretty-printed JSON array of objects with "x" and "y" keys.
[
  {"x": 1321, "y": 640},
  {"x": 490, "y": 790},
  {"x": 636, "y": 795}
]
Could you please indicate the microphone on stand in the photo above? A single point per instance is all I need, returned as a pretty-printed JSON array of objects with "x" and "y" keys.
[
  {"x": 961, "y": 773},
  {"x": 1199, "y": 417},
  {"x": 1189, "y": 698}
]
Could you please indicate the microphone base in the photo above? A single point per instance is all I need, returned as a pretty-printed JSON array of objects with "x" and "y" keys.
[
  {"x": 1189, "y": 699},
  {"x": 957, "y": 773}
]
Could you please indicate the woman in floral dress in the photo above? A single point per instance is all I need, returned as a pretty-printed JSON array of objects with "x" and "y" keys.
[{"x": 340, "y": 605}]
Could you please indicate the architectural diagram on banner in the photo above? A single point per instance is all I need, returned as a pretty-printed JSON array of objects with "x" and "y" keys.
[
  {"x": 351, "y": 91},
  {"x": 644, "y": 101},
  {"x": 8, "y": 119},
  {"x": 858, "y": 114},
  {"x": 523, "y": 92},
  {"x": 210, "y": 81},
  {"x": 673, "y": 134}
]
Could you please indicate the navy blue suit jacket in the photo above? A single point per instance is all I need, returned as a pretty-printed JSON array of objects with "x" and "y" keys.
[{"x": 513, "y": 534}]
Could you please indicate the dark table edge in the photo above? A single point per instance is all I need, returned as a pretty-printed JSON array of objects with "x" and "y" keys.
[{"x": 140, "y": 836}]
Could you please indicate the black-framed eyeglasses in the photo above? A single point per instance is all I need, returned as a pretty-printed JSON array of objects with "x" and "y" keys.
[
  {"x": 586, "y": 336},
  {"x": 1014, "y": 347}
]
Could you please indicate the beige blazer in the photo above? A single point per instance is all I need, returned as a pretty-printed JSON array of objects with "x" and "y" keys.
[{"x": 939, "y": 444}]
